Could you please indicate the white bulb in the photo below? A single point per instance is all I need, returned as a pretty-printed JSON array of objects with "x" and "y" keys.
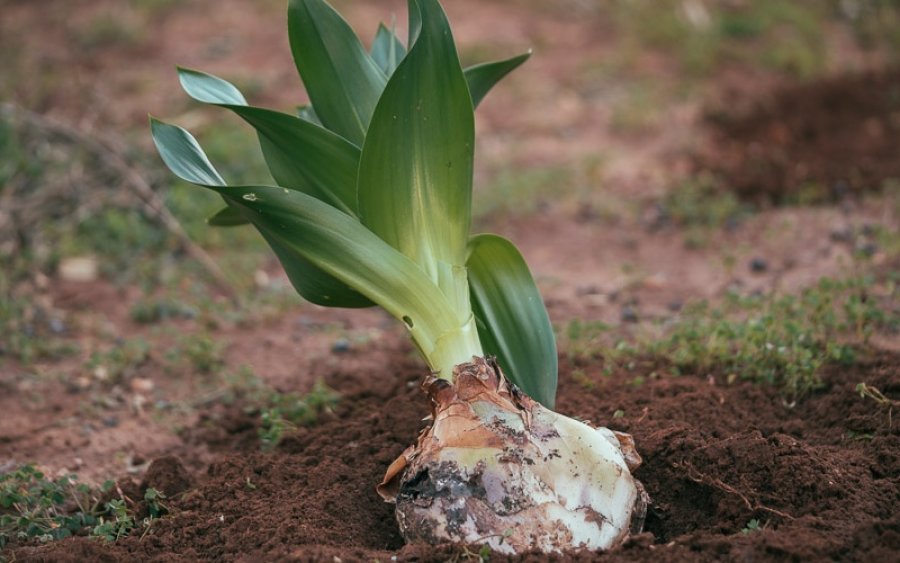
[{"x": 498, "y": 468}]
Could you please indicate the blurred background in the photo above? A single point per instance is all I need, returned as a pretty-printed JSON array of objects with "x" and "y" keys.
[{"x": 651, "y": 157}]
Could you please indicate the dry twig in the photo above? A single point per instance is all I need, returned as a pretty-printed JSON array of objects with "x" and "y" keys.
[{"x": 108, "y": 151}]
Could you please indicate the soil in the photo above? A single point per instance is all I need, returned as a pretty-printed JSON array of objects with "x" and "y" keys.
[
  {"x": 821, "y": 478},
  {"x": 823, "y": 140}
]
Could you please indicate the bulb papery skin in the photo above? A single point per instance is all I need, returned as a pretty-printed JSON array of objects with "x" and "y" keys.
[{"x": 497, "y": 468}]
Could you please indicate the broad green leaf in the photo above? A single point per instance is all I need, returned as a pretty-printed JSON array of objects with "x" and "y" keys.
[
  {"x": 515, "y": 326},
  {"x": 301, "y": 225},
  {"x": 482, "y": 77},
  {"x": 387, "y": 50},
  {"x": 227, "y": 217},
  {"x": 342, "y": 80},
  {"x": 415, "y": 175},
  {"x": 300, "y": 155},
  {"x": 344, "y": 248},
  {"x": 181, "y": 153}
]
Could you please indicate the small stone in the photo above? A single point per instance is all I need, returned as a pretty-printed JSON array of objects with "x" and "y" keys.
[
  {"x": 340, "y": 346},
  {"x": 78, "y": 269},
  {"x": 261, "y": 279},
  {"x": 841, "y": 235},
  {"x": 142, "y": 385},
  {"x": 758, "y": 265},
  {"x": 57, "y": 326}
]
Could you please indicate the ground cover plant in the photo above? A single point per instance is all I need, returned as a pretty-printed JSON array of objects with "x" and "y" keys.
[
  {"x": 780, "y": 341},
  {"x": 32, "y": 505},
  {"x": 373, "y": 206}
]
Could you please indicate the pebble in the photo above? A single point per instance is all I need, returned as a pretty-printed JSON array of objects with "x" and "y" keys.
[
  {"x": 340, "y": 346},
  {"x": 142, "y": 385},
  {"x": 78, "y": 269},
  {"x": 57, "y": 326},
  {"x": 758, "y": 265},
  {"x": 841, "y": 235}
]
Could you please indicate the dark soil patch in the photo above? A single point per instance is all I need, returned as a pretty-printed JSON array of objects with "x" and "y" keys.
[
  {"x": 822, "y": 478},
  {"x": 815, "y": 141}
]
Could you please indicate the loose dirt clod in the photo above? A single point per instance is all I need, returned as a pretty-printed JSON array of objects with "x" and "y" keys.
[
  {"x": 817, "y": 141},
  {"x": 167, "y": 475}
]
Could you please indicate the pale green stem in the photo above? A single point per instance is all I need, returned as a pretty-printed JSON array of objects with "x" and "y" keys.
[
  {"x": 454, "y": 348},
  {"x": 457, "y": 344}
]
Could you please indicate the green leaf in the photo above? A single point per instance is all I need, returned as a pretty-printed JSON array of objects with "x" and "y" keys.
[
  {"x": 515, "y": 325},
  {"x": 308, "y": 113},
  {"x": 482, "y": 77},
  {"x": 342, "y": 80},
  {"x": 327, "y": 238},
  {"x": 415, "y": 175},
  {"x": 347, "y": 250},
  {"x": 181, "y": 153},
  {"x": 209, "y": 89},
  {"x": 387, "y": 50},
  {"x": 227, "y": 217},
  {"x": 323, "y": 289},
  {"x": 300, "y": 155},
  {"x": 184, "y": 157}
]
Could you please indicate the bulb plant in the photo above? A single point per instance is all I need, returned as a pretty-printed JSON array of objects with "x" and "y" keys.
[{"x": 372, "y": 205}]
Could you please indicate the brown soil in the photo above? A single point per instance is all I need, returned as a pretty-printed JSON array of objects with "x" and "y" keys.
[
  {"x": 820, "y": 140},
  {"x": 821, "y": 478}
]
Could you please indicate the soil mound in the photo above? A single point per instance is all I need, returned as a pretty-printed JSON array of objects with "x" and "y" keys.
[
  {"x": 733, "y": 473},
  {"x": 815, "y": 141}
]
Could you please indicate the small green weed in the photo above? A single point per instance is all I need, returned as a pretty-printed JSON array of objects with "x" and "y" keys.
[
  {"x": 785, "y": 36},
  {"x": 779, "y": 341},
  {"x": 150, "y": 311},
  {"x": 752, "y": 526},
  {"x": 199, "y": 353},
  {"x": 701, "y": 205},
  {"x": 33, "y": 506},
  {"x": 28, "y": 332},
  {"x": 119, "y": 362},
  {"x": 288, "y": 410}
]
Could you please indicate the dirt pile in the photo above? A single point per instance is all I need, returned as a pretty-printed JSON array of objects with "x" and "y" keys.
[
  {"x": 733, "y": 473},
  {"x": 816, "y": 141}
]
